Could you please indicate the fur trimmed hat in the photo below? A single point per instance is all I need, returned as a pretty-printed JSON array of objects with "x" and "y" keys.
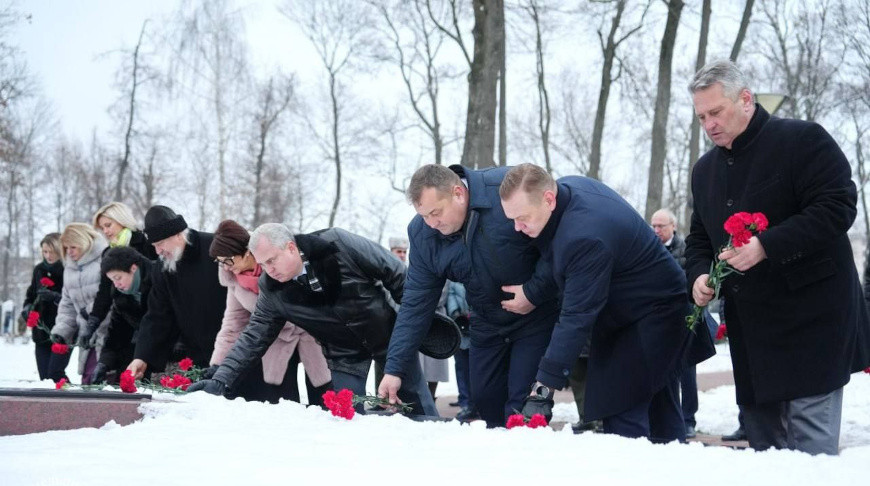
[{"x": 161, "y": 223}]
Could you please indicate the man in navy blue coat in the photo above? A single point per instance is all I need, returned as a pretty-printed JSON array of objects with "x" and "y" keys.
[
  {"x": 621, "y": 287},
  {"x": 462, "y": 234}
]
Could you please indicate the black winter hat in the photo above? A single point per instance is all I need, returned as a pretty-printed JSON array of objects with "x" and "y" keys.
[
  {"x": 443, "y": 338},
  {"x": 161, "y": 223}
]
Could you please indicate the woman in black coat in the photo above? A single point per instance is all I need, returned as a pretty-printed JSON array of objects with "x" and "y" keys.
[
  {"x": 116, "y": 222},
  {"x": 43, "y": 296}
]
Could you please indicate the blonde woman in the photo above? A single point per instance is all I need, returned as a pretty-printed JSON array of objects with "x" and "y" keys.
[
  {"x": 43, "y": 297},
  {"x": 83, "y": 249},
  {"x": 116, "y": 222}
]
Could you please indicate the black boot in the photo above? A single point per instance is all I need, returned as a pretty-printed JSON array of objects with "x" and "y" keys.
[{"x": 738, "y": 434}]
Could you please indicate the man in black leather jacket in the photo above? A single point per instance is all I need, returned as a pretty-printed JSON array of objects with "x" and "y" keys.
[{"x": 330, "y": 283}]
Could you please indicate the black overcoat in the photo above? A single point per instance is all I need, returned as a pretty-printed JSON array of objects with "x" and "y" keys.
[
  {"x": 188, "y": 303},
  {"x": 794, "y": 318}
]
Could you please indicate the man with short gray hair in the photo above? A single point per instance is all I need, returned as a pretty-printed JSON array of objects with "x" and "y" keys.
[
  {"x": 331, "y": 284},
  {"x": 797, "y": 323}
]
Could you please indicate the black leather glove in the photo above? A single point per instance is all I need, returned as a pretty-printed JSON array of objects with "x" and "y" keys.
[
  {"x": 88, "y": 332},
  {"x": 47, "y": 295},
  {"x": 99, "y": 375},
  {"x": 213, "y": 387},
  {"x": 209, "y": 372},
  {"x": 539, "y": 403}
]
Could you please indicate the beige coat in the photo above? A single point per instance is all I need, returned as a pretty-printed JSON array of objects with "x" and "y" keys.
[{"x": 240, "y": 304}]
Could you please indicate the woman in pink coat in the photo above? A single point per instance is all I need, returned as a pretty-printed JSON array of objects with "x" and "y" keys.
[{"x": 275, "y": 376}]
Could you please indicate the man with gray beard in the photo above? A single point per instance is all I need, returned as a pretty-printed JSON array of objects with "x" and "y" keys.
[{"x": 186, "y": 303}]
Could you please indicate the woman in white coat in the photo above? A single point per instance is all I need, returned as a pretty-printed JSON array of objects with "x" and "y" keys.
[{"x": 83, "y": 248}]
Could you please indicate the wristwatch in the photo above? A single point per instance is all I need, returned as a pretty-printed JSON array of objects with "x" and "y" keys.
[{"x": 543, "y": 391}]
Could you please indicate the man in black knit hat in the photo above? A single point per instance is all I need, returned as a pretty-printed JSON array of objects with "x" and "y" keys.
[{"x": 186, "y": 303}]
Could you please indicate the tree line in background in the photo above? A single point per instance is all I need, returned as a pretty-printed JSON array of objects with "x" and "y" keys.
[{"x": 596, "y": 87}]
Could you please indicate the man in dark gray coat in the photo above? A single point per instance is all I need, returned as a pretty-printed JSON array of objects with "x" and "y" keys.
[
  {"x": 797, "y": 323},
  {"x": 330, "y": 283}
]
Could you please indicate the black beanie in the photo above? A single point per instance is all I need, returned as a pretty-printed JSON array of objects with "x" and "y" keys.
[{"x": 161, "y": 223}]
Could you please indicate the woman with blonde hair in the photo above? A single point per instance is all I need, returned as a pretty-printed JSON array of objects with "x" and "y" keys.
[
  {"x": 116, "y": 222},
  {"x": 42, "y": 297},
  {"x": 83, "y": 248}
]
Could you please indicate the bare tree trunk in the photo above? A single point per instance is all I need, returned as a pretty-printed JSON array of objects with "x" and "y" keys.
[
  {"x": 336, "y": 147},
  {"x": 741, "y": 32},
  {"x": 273, "y": 103},
  {"x": 480, "y": 122},
  {"x": 608, "y": 49},
  {"x": 662, "y": 106},
  {"x": 543, "y": 96},
  {"x": 125, "y": 161},
  {"x": 695, "y": 129},
  {"x": 502, "y": 103}
]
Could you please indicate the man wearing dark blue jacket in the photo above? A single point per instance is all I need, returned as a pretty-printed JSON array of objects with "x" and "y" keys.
[
  {"x": 621, "y": 287},
  {"x": 462, "y": 234}
]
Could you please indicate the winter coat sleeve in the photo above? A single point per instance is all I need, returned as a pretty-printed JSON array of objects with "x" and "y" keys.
[
  {"x": 103, "y": 300},
  {"x": 541, "y": 287},
  {"x": 699, "y": 252},
  {"x": 157, "y": 330},
  {"x": 235, "y": 319},
  {"x": 867, "y": 278},
  {"x": 376, "y": 262},
  {"x": 30, "y": 295},
  {"x": 827, "y": 200},
  {"x": 589, "y": 265},
  {"x": 65, "y": 324},
  {"x": 422, "y": 292},
  {"x": 262, "y": 330}
]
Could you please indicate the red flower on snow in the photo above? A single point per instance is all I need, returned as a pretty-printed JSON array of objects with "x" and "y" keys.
[
  {"x": 58, "y": 348},
  {"x": 340, "y": 404},
  {"x": 537, "y": 420},
  {"x": 185, "y": 364},
  {"x": 63, "y": 383},
  {"x": 32, "y": 319},
  {"x": 177, "y": 381},
  {"x": 867, "y": 369},
  {"x": 722, "y": 332},
  {"x": 516, "y": 420},
  {"x": 46, "y": 282},
  {"x": 128, "y": 383}
]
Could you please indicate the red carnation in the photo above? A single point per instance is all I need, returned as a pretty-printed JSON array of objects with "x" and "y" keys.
[
  {"x": 165, "y": 381},
  {"x": 329, "y": 399},
  {"x": 737, "y": 222},
  {"x": 516, "y": 420},
  {"x": 63, "y": 383},
  {"x": 185, "y": 364},
  {"x": 537, "y": 420},
  {"x": 128, "y": 383},
  {"x": 722, "y": 332},
  {"x": 32, "y": 319},
  {"x": 340, "y": 404},
  {"x": 46, "y": 282},
  {"x": 867, "y": 369},
  {"x": 760, "y": 221},
  {"x": 180, "y": 381},
  {"x": 741, "y": 238},
  {"x": 58, "y": 348}
]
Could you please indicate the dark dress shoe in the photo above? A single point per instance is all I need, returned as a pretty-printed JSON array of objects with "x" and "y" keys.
[
  {"x": 453, "y": 404},
  {"x": 581, "y": 427},
  {"x": 690, "y": 432},
  {"x": 738, "y": 434},
  {"x": 467, "y": 415}
]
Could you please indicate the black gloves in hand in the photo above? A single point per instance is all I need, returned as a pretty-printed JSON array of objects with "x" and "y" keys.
[
  {"x": 213, "y": 387},
  {"x": 47, "y": 295},
  {"x": 87, "y": 334},
  {"x": 209, "y": 372},
  {"x": 99, "y": 374},
  {"x": 537, "y": 404}
]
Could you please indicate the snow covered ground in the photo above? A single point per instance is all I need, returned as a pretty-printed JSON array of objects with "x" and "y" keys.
[{"x": 201, "y": 439}]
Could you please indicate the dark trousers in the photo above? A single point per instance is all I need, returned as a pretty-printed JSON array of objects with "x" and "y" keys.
[
  {"x": 577, "y": 381},
  {"x": 504, "y": 370},
  {"x": 51, "y": 365},
  {"x": 463, "y": 379},
  {"x": 659, "y": 418},
  {"x": 689, "y": 395}
]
